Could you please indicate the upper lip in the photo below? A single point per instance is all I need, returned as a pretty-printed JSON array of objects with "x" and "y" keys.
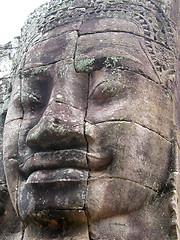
[{"x": 71, "y": 158}]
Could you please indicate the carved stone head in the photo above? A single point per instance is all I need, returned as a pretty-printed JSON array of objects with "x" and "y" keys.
[{"x": 90, "y": 135}]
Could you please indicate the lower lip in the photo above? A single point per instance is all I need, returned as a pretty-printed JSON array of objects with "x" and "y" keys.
[{"x": 58, "y": 175}]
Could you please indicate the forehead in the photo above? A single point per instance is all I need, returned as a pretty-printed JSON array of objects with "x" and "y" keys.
[{"x": 93, "y": 39}]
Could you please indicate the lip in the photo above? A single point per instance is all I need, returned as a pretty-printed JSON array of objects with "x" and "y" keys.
[
  {"x": 62, "y": 175},
  {"x": 52, "y": 161},
  {"x": 98, "y": 161}
]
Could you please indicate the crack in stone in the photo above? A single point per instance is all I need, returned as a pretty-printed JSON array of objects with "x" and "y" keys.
[
  {"x": 41, "y": 65},
  {"x": 26, "y": 50},
  {"x": 75, "y": 50},
  {"x": 139, "y": 35},
  {"x": 54, "y": 36},
  {"x": 23, "y": 232},
  {"x": 85, "y": 115},
  {"x": 126, "y": 179},
  {"x": 86, "y": 154},
  {"x": 10, "y": 121},
  {"x": 22, "y": 108},
  {"x": 57, "y": 101},
  {"x": 130, "y": 121}
]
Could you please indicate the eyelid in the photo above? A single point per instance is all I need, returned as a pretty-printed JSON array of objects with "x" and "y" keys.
[
  {"x": 103, "y": 93},
  {"x": 35, "y": 97}
]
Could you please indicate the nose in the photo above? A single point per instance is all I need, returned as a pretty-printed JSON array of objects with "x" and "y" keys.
[{"x": 60, "y": 127}]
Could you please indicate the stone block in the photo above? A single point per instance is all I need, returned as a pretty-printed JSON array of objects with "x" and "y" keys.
[
  {"x": 59, "y": 159},
  {"x": 70, "y": 87},
  {"x": 108, "y": 197},
  {"x": 58, "y": 127},
  {"x": 10, "y": 139},
  {"x": 51, "y": 50},
  {"x": 15, "y": 110},
  {"x": 134, "y": 153},
  {"x": 4, "y": 85},
  {"x": 68, "y": 224},
  {"x": 63, "y": 188},
  {"x": 142, "y": 224},
  {"x": 12, "y": 171},
  {"x": 109, "y": 25}
]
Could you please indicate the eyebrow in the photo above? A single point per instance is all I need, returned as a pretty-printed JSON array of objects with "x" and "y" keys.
[{"x": 97, "y": 63}]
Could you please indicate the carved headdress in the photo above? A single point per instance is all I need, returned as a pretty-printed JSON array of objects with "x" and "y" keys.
[{"x": 148, "y": 15}]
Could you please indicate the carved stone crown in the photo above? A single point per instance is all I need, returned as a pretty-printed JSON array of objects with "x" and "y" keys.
[{"x": 149, "y": 15}]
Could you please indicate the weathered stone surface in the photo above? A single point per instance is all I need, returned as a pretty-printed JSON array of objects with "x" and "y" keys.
[
  {"x": 15, "y": 110},
  {"x": 74, "y": 228},
  {"x": 142, "y": 224},
  {"x": 4, "y": 85},
  {"x": 135, "y": 153},
  {"x": 124, "y": 95},
  {"x": 12, "y": 181},
  {"x": 59, "y": 124},
  {"x": 52, "y": 189},
  {"x": 61, "y": 30},
  {"x": 71, "y": 87},
  {"x": 126, "y": 196},
  {"x": 123, "y": 49},
  {"x": 9, "y": 221},
  {"x": 52, "y": 50},
  {"x": 7, "y": 52},
  {"x": 109, "y": 25},
  {"x": 10, "y": 225},
  {"x": 10, "y": 139},
  {"x": 62, "y": 158},
  {"x": 90, "y": 138}
]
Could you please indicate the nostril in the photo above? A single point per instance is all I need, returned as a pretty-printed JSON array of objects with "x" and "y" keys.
[{"x": 37, "y": 137}]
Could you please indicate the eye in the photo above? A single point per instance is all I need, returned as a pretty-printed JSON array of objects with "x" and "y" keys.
[
  {"x": 34, "y": 101},
  {"x": 104, "y": 94},
  {"x": 35, "y": 91}
]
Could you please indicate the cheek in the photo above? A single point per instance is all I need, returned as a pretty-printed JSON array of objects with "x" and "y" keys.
[
  {"x": 136, "y": 168},
  {"x": 11, "y": 138},
  {"x": 136, "y": 153},
  {"x": 111, "y": 197},
  {"x": 10, "y": 152}
]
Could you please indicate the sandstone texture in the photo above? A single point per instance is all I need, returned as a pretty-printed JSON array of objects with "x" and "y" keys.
[{"x": 91, "y": 137}]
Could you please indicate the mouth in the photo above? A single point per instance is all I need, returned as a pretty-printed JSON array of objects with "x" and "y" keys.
[
  {"x": 45, "y": 165},
  {"x": 62, "y": 175},
  {"x": 98, "y": 162}
]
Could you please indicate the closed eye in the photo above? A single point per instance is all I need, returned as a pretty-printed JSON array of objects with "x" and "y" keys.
[
  {"x": 105, "y": 93},
  {"x": 36, "y": 89}
]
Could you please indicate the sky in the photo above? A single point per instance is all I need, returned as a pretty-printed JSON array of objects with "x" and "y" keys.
[{"x": 13, "y": 14}]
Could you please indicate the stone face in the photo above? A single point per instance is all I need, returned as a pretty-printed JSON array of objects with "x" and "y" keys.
[
  {"x": 91, "y": 145},
  {"x": 9, "y": 221}
]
